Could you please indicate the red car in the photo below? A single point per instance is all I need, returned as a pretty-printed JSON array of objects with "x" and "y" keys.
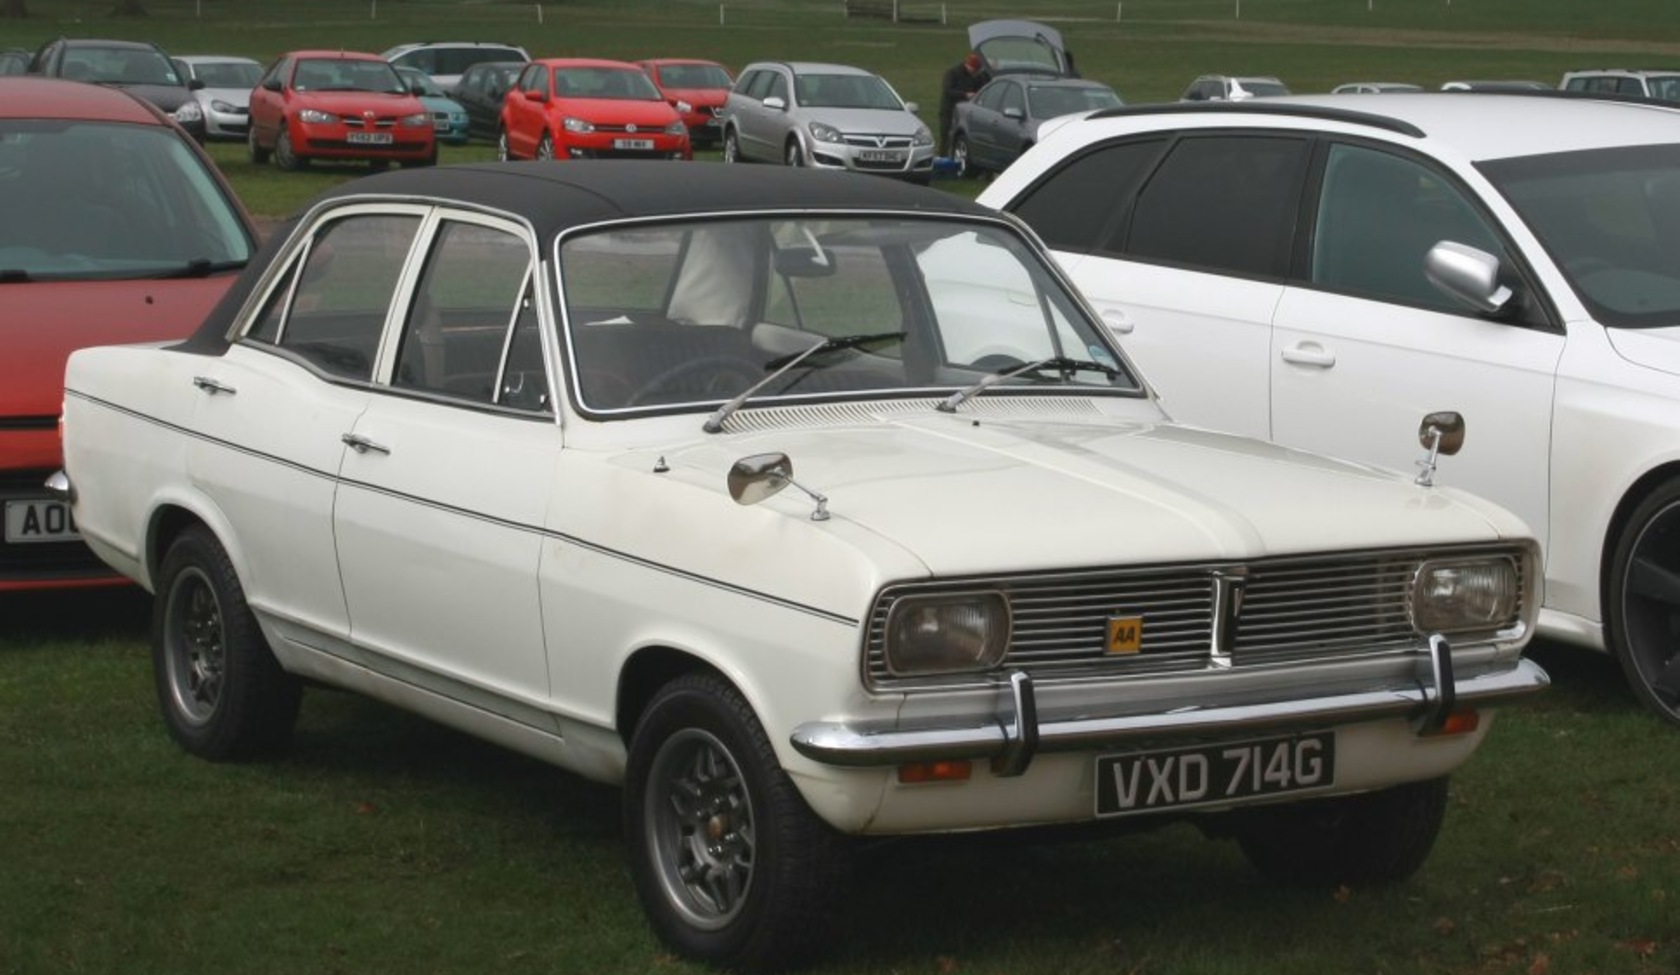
[
  {"x": 584, "y": 108},
  {"x": 339, "y": 105},
  {"x": 696, "y": 89},
  {"x": 117, "y": 228}
]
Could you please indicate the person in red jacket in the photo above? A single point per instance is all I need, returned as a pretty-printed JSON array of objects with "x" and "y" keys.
[{"x": 962, "y": 80}]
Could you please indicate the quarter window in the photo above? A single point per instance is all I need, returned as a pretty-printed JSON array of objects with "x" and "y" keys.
[
  {"x": 1075, "y": 207},
  {"x": 1222, "y": 203},
  {"x": 1378, "y": 216}
]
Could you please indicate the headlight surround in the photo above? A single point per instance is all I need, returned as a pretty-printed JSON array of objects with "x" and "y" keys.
[
  {"x": 189, "y": 112},
  {"x": 825, "y": 133},
  {"x": 949, "y": 633},
  {"x": 223, "y": 106},
  {"x": 1455, "y": 595},
  {"x": 314, "y": 116},
  {"x": 416, "y": 121},
  {"x": 923, "y": 137},
  {"x": 581, "y": 126},
  {"x": 676, "y": 128}
]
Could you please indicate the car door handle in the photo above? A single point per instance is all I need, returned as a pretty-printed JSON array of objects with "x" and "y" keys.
[
  {"x": 1117, "y": 321},
  {"x": 362, "y": 445},
  {"x": 1310, "y": 354},
  {"x": 213, "y": 387}
]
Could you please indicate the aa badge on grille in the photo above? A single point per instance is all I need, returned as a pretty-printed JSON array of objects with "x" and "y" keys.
[{"x": 1125, "y": 634}]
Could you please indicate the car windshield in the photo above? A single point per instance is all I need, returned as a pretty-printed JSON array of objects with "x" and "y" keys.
[
  {"x": 1610, "y": 218},
  {"x": 623, "y": 84},
  {"x": 345, "y": 74},
  {"x": 97, "y": 200},
  {"x": 689, "y": 315},
  {"x": 844, "y": 91},
  {"x": 1263, "y": 89},
  {"x": 693, "y": 76},
  {"x": 119, "y": 66},
  {"x": 1049, "y": 101},
  {"x": 229, "y": 74}
]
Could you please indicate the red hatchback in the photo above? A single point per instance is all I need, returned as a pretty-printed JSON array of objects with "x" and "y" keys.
[
  {"x": 117, "y": 228},
  {"x": 583, "y": 108},
  {"x": 338, "y": 105},
  {"x": 696, "y": 89}
]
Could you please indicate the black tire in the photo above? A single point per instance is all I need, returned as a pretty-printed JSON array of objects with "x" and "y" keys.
[
  {"x": 959, "y": 154},
  {"x": 1642, "y": 601},
  {"x": 795, "y": 154},
  {"x": 285, "y": 157},
  {"x": 222, "y": 693},
  {"x": 732, "y": 147},
  {"x": 730, "y": 865},
  {"x": 259, "y": 155},
  {"x": 1371, "y": 838}
]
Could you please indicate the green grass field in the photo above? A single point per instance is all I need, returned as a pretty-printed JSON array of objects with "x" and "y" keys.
[{"x": 383, "y": 843}]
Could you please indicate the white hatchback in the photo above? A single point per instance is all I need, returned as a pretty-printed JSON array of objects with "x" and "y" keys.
[{"x": 1317, "y": 274}]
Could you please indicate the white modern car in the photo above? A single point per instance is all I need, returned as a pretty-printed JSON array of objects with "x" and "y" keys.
[
  {"x": 679, "y": 484},
  {"x": 1316, "y": 273}
]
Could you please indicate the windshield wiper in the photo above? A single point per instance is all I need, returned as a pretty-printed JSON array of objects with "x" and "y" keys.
[
  {"x": 780, "y": 365},
  {"x": 1060, "y": 363},
  {"x": 197, "y": 268}
]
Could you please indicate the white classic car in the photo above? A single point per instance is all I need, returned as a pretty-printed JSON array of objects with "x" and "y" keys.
[{"x": 677, "y": 484}]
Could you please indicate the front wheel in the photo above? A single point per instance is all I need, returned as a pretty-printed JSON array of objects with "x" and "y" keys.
[
  {"x": 732, "y": 147},
  {"x": 960, "y": 155},
  {"x": 545, "y": 148},
  {"x": 222, "y": 693},
  {"x": 286, "y": 157},
  {"x": 795, "y": 154},
  {"x": 729, "y": 863},
  {"x": 1642, "y": 605},
  {"x": 1372, "y": 837}
]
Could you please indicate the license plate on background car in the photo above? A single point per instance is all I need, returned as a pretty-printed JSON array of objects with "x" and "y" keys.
[
  {"x": 632, "y": 143},
  {"x": 880, "y": 156},
  {"x": 1173, "y": 778},
  {"x": 39, "y": 521},
  {"x": 369, "y": 138}
]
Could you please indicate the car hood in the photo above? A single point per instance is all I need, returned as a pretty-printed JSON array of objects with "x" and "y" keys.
[
  {"x": 41, "y": 323},
  {"x": 233, "y": 96},
  {"x": 165, "y": 97},
  {"x": 1036, "y": 494},
  {"x": 1653, "y": 348},
  {"x": 437, "y": 103},
  {"x": 882, "y": 121},
  {"x": 357, "y": 102},
  {"x": 620, "y": 111}
]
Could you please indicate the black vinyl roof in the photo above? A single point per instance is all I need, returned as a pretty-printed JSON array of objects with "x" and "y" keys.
[{"x": 557, "y": 196}]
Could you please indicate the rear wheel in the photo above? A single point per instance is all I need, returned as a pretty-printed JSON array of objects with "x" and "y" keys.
[
  {"x": 222, "y": 693},
  {"x": 259, "y": 155},
  {"x": 502, "y": 145},
  {"x": 732, "y": 147},
  {"x": 730, "y": 865},
  {"x": 1373, "y": 837},
  {"x": 959, "y": 154},
  {"x": 1642, "y": 605}
]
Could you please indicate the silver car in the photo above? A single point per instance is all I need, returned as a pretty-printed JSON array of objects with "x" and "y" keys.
[
  {"x": 827, "y": 116},
  {"x": 226, "y": 95}
]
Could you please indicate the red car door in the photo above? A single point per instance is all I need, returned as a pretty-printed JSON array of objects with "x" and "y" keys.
[{"x": 522, "y": 112}]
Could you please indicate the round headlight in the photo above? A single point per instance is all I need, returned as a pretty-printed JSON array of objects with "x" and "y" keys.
[
  {"x": 1474, "y": 594},
  {"x": 946, "y": 634}
]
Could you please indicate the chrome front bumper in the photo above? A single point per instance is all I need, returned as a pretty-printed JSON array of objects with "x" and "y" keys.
[{"x": 1009, "y": 741}]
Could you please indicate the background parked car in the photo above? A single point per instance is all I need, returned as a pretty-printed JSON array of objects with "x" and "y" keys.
[
  {"x": 1663, "y": 85},
  {"x": 142, "y": 68},
  {"x": 670, "y": 480},
  {"x": 449, "y": 119},
  {"x": 1501, "y": 85},
  {"x": 1374, "y": 88},
  {"x": 225, "y": 98},
  {"x": 1229, "y": 88},
  {"x": 446, "y": 61},
  {"x": 828, "y": 116},
  {"x": 696, "y": 89},
  {"x": 14, "y": 60},
  {"x": 1001, "y": 121},
  {"x": 1508, "y": 257},
  {"x": 116, "y": 228},
  {"x": 338, "y": 105},
  {"x": 480, "y": 92},
  {"x": 588, "y": 108}
]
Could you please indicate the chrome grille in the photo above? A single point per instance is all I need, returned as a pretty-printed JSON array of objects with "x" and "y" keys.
[
  {"x": 1292, "y": 609},
  {"x": 878, "y": 141}
]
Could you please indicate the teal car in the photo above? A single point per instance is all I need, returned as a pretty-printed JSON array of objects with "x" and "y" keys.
[{"x": 449, "y": 119}]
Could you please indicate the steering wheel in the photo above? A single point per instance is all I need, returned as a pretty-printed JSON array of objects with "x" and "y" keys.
[{"x": 715, "y": 376}]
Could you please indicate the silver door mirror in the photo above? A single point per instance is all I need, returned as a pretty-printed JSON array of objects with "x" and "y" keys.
[
  {"x": 752, "y": 479},
  {"x": 1448, "y": 426},
  {"x": 1466, "y": 274}
]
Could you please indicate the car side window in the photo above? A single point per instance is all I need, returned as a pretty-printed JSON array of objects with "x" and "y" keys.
[
  {"x": 991, "y": 97},
  {"x": 465, "y": 305},
  {"x": 1378, "y": 215},
  {"x": 755, "y": 84},
  {"x": 1074, "y": 208},
  {"x": 335, "y": 310},
  {"x": 1014, "y": 98},
  {"x": 1224, "y": 203},
  {"x": 778, "y": 87}
]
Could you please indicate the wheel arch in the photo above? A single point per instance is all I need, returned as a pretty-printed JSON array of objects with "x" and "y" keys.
[
  {"x": 1641, "y": 488},
  {"x": 645, "y": 672}
]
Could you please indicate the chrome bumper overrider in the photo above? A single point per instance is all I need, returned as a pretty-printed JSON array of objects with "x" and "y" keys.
[{"x": 1010, "y": 741}]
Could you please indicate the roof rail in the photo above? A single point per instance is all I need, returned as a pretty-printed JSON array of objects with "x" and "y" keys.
[{"x": 1268, "y": 107}]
